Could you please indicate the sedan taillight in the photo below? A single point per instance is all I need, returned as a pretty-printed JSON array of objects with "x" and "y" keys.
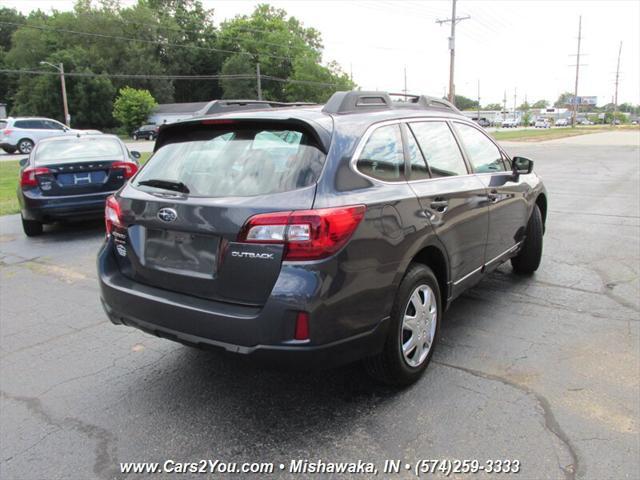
[
  {"x": 112, "y": 214},
  {"x": 306, "y": 234},
  {"x": 28, "y": 176},
  {"x": 129, "y": 168}
]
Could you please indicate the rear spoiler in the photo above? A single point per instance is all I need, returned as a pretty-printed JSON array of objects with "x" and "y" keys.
[{"x": 320, "y": 134}]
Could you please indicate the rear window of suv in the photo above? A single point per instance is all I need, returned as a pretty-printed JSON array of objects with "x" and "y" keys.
[{"x": 239, "y": 162}]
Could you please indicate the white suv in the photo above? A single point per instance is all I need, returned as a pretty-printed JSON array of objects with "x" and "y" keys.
[
  {"x": 23, "y": 133},
  {"x": 542, "y": 123}
]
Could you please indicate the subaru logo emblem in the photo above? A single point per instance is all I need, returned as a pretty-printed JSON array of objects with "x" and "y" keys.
[{"x": 167, "y": 214}]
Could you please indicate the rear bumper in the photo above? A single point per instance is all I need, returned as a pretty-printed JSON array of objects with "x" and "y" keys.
[
  {"x": 262, "y": 333},
  {"x": 44, "y": 209}
]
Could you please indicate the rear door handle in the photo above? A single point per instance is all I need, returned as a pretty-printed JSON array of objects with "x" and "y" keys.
[{"x": 440, "y": 205}]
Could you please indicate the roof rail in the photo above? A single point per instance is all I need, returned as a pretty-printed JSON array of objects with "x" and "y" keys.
[
  {"x": 355, "y": 101},
  {"x": 228, "y": 105}
]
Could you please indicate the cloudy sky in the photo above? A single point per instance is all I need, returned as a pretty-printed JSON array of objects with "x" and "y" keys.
[{"x": 520, "y": 46}]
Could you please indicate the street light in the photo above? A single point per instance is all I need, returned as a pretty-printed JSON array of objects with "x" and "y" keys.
[{"x": 60, "y": 69}]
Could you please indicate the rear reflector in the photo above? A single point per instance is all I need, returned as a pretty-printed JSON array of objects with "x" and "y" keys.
[
  {"x": 28, "y": 176},
  {"x": 112, "y": 214},
  {"x": 129, "y": 168},
  {"x": 306, "y": 234},
  {"x": 302, "y": 326}
]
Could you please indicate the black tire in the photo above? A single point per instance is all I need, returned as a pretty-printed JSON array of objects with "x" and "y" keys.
[
  {"x": 32, "y": 228},
  {"x": 10, "y": 151},
  {"x": 528, "y": 259},
  {"x": 390, "y": 366},
  {"x": 25, "y": 145}
]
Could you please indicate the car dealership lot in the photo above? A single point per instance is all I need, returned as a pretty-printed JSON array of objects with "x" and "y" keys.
[{"x": 541, "y": 369}]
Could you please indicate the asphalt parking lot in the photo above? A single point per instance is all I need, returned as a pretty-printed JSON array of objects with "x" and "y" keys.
[{"x": 545, "y": 369}]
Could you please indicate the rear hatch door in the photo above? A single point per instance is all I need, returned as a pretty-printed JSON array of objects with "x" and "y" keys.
[{"x": 181, "y": 235}]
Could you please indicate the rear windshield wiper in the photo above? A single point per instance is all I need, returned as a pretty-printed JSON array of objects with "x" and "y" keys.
[{"x": 165, "y": 185}]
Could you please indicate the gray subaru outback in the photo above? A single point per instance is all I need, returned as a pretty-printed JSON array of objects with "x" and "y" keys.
[{"x": 318, "y": 235}]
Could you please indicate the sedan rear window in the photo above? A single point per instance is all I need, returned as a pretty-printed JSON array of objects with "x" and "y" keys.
[
  {"x": 241, "y": 162},
  {"x": 75, "y": 149}
]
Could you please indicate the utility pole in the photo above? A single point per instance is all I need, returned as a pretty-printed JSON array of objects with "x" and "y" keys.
[
  {"x": 65, "y": 105},
  {"x": 615, "y": 100},
  {"x": 478, "y": 100},
  {"x": 504, "y": 105},
  {"x": 515, "y": 96},
  {"x": 259, "y": 80},
  {"x": 452, "y": 46},
  {"x": 405, "y": 82},
  {"x": 575, "y": 91}
]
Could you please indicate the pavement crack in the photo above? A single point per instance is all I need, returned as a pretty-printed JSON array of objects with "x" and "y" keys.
[
  {"x": 105, "y": 449},
  {"x": 551, "y": 424}
]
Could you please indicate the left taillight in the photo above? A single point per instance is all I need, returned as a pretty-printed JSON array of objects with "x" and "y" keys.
[
  {"x": 306, "y": 234},
  {"x": 129, "y": 168},
  {"x": 112, "y": 214},
  {"x": 28, "y": 176}
]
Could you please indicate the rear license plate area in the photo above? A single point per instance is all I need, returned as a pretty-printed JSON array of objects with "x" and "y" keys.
[
  {"x": 81, "y": 178},
  {"x": 181, "y": 252}
]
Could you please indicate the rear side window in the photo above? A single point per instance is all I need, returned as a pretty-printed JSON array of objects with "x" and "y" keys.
[
  {"x": 23, "y": 124},
  {"x": 382, "y": 155},
  {"x": 483, "y": 154},
  {"x": 243, "y": 162},
  {"x": 440, "y": 148}
]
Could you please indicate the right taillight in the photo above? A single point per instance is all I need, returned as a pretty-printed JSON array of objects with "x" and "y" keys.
[
  {"x": 112, "y": 214},
  {"x": 6, "y": 132},
  {"x": 28, "y": 176},
  {"x": 306, "y": 234},
  {"x": 129, "y": 168}
]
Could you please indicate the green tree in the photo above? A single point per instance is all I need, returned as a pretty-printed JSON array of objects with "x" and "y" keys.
[
  {"x": 132, "y": 107},
  {"x": 563, "y": 100},
  {"x": 541, "y": 104},
  {"x": 493, "y": 106},
  {"x": 312, "y": 82},
  {"x": 239, "y": 88},
  {"x": 284, "y": 48},
  {"x": 464, "y": 103}
]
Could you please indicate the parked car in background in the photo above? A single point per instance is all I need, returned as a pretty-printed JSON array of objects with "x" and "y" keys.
[
  {"x": 542, "y": 123},
  {"x": 318, "y": 235},
  {"x": 562, "y": 122},
  {"x": 483, "y": 122},
  {"x": 510, "y": 123},
  {"x": 69, "y": 177},
  {"x": 585, "y": 121},
  {"x": 149, "y": 132},
  {"x": 22, "y": 133}
]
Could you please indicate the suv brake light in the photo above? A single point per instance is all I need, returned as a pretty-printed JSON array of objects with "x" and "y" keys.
[
  {"x": 28, "y": 176},
  {"x": 306, "y": 234},
  {"x": 129, "y": 168},
  {"x": 6, "y": 132},
  {"x": 112, "y": 214}
]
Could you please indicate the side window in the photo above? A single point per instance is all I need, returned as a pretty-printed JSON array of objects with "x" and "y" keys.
[
  {"x": 52, "y": 125},
  {"x": 483, "y": 154},
  {"x": 22, "y": 124},
  {"x": 440, "y": 149},
  {"x": 39, "y": 125},
  {"x": 419, "y": 170},
  {"x": 382, "y": 155}
]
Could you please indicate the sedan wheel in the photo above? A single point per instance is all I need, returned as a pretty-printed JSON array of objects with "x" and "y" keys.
[
  {"x": 25, "y": 146},
  {"x": 419, "y": 325}
]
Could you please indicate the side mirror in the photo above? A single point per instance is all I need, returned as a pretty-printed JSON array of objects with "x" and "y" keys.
[
  {"x": 135, "y": 154},
  {"x": 23, "y": 162},
  {"x": 522, "y": 165}
]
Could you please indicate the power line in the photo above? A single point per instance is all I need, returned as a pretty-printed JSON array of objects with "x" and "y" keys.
[{"x": 171, "y": 77}]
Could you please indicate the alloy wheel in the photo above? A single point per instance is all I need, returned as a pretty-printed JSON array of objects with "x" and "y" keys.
[{"x": 419, "y": 325}]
